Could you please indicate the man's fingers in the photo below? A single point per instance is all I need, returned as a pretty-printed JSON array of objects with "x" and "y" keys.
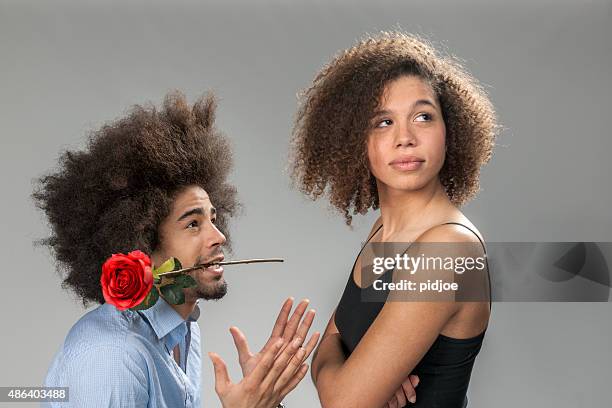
[
  {"x": 290, "y": 369},
  {"x": 312, "y": 343},
  {"x": 241, "y": 345},
  {"x": 282, "y": 362},
  {"x": 409, "y": 390},
  {"x": 222, "y": 379},
  {"x": 302, "y": 331},
  {"x": 392, "y": 402},
  {"x": 296, "y": 362},
  {"x": 294, "y": 321},
  {"x": 297, "y": 377},
  {"x": 281, "y": 320},
  {"x": 264, "y": 365},
  {"x": 414, "y": 379},
  {"x": 280, "y": 324}
]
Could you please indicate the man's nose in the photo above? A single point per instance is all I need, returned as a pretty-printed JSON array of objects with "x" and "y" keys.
[{"x": 216, "y": 237}]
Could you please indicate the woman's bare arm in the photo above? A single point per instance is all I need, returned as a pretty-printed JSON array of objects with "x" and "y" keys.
[
  {"x": 393, "y": 345},
  {"x": 329, "y": 352}
]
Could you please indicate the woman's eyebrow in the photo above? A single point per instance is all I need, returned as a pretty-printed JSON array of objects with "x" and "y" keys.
[
  {"x": 382, "y": 112},
  {"x": 424, "y": 102},
  {"x": 418, "y": 102}
]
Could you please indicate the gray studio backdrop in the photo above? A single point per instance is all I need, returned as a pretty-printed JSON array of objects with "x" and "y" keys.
[{"x": 67, "y": 67}]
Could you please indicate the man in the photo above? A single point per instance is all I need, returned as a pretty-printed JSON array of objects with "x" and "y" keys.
[{"x": 155, "y": 181}]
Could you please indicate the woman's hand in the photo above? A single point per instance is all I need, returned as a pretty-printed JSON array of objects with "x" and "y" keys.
[{"x": 404, "y": 394}]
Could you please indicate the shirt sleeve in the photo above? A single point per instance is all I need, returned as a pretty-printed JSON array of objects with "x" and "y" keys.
[{"x": 107, "y": 376}]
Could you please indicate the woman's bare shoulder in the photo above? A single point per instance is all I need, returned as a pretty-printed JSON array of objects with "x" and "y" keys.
[{"x": 454, "y": 227}]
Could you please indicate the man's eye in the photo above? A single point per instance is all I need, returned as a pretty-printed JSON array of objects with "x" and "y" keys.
[
  {"x": 192, "y": 224},
  {"x": 384, "y": 123},
  {"x": 426, "y": 115},
  {"x": 213, "y": 220}
]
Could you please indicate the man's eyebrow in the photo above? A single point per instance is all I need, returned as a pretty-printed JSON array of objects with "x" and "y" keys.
[
  {"x": 414, "y": 105},
  {"x": 198, "y": 211}
]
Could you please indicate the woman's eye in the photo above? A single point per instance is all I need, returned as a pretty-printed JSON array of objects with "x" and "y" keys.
[
  {"x": 426, "y": 115},
  {"x": 384, "y": 123}
]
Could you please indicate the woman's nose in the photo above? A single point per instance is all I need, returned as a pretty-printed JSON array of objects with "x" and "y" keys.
[{"x": 405, "y": 137}]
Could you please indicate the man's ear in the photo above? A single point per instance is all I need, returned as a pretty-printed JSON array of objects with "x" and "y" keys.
[{"x": 157, "y": 256}]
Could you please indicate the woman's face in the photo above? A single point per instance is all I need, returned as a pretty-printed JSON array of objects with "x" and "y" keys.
[{"x": 406, "y": 141}]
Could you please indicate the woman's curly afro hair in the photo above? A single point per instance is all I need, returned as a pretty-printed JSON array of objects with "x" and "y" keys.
[
  {"x": 112, "y": 196},
  {"x": 329, "y": 136}
]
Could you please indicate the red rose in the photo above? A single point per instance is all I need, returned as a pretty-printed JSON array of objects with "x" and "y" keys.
[{"x": 126, "y": 279}]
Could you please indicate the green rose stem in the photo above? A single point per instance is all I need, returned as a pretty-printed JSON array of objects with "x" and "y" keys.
[{"x": 200, "y": 266}]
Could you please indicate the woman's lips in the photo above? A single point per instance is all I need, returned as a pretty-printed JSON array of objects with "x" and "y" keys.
[{"x": 407, "y": 165}]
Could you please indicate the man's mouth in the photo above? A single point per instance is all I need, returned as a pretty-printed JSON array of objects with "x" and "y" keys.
[
  {"x": 215, "y": 269},
  {"x": 213, "y": 265}
]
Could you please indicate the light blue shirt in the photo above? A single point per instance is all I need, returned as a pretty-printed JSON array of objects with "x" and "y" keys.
[{"x": 124, "y": 359}]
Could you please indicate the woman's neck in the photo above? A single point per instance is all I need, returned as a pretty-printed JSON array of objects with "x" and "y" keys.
[{"x": 403, "y": 210}]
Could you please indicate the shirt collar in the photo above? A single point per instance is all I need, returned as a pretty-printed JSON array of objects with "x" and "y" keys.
[{"x": 165, "y": 321}]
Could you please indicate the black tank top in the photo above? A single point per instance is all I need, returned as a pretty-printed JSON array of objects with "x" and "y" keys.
[{"x": 444, "y": 371}]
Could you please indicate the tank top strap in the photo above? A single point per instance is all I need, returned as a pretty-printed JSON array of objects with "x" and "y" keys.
[
  {"x": 485, "y": 252},
  {"x": 361, "y": 250},
  {"x": 474, "y": 232},
  {"x": 374, "y": 233}
]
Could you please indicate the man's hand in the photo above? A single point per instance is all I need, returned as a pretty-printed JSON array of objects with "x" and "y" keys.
[
  {"x": 276, "y": 369},
  {"x": 404, "y": 394},
  {"x": 284, "y": 329},
  {"x": 271, "y": 379}
]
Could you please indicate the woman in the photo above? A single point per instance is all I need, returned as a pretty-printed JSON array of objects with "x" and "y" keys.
[{"x": 391, "y": 124}]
